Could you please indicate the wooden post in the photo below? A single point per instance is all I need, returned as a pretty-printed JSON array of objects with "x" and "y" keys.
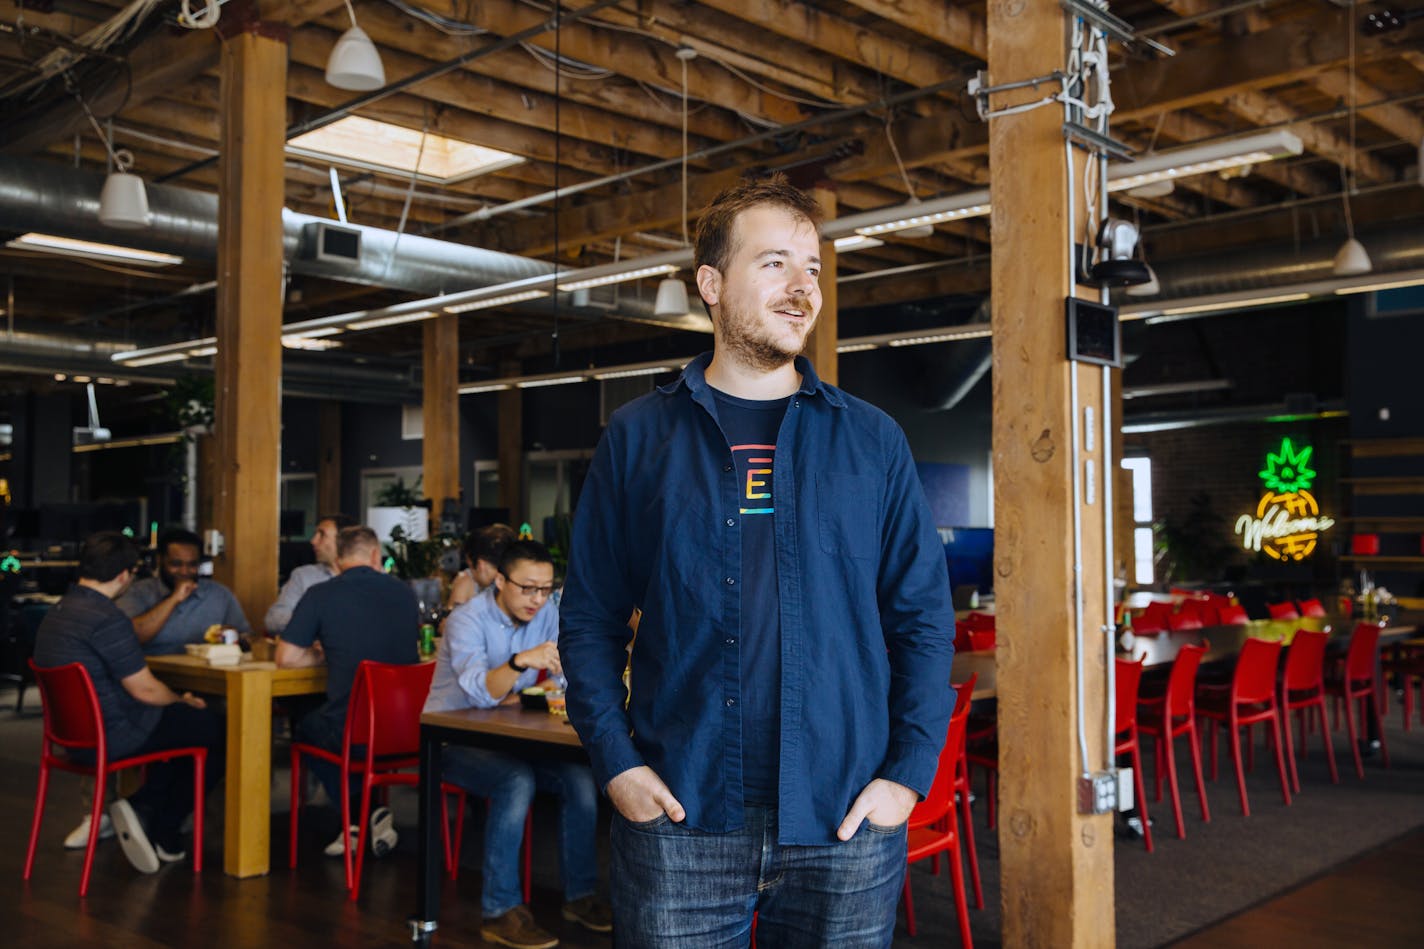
[
  {"x": 511, "y": 448},
  {"x": 821, "y": 347},
  {"x": 1057, "y": 863},
  {"x": 328, "y": 464},
  {"x": 248, "y": 403},
  {"x": 440, "y": 452}
]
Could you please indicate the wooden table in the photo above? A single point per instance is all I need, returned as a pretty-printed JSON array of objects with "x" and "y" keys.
[
  {"x": 1225, "y": 642},
  {"x": 509, "y": 728},
  {"x": 249, "y": 688}
]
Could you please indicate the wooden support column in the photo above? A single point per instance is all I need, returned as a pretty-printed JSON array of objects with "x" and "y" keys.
[
  {"x": 1057, "y": 863},
  {"x": 821, "y": 346},
  {"x": 440, "y": 453},
  {"x": 328, "y": 464},
  {"x": 248, "y": 404},
  {"x": 511, "y": 447}
]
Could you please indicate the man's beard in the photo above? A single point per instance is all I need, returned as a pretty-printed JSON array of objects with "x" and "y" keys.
[{"x": 749, "y": 340}]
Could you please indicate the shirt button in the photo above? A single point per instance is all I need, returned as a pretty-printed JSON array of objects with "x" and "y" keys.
[
  {"x": 731, "y": 522},
  {"x": 731, "y": 582},
  {"x": 731, "y": 641},
  {"x": 726, "y": 467},
  {"x": 731, "y": 702}
]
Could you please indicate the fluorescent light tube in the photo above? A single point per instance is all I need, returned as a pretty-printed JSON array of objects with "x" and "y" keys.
[
  {"x": 69, "y": 247},
  {"x": 391, "y": 320},
  {"x": 501, "y": 300},
  {"x": 1198, "y": 159},
  {"x": 621, "y": 277}
]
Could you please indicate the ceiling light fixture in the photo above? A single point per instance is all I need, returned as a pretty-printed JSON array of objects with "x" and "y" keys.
[
  {"x": 354, "y": 63},
  {"x": 501, "y": 300},
  {"x": 70, "y": 247},
  {"x": 550, "y": 381},
  {"x": 394, "y": 320},
  {"x": 1176, "y": 163},
  {"x": 845, "y": 245},
  {"x": 616, "y": 276}
]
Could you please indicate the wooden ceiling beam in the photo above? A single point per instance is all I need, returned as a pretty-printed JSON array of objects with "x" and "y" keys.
[
  {"x": 1261, "y": 109},
  {"x": 638, "y": 58},
  {"x": 959, "y": 27},
  {"x": 907, "y": 288},
  {"x": 1398, "y": 120},
  {"x": 912, "y": 63}
]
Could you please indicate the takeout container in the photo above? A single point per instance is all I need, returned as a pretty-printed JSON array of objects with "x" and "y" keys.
[{"x": 216, "y": 654}]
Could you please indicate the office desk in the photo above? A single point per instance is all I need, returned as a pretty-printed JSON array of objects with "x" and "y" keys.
[{"x": 249, "y": 688}]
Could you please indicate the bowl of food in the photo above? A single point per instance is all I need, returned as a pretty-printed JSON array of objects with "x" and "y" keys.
[{"x": 535, "y": 697}]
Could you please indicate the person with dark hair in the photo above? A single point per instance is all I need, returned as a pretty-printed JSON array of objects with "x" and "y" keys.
[
  {"x": 788, "y": 696},
  {"x": 302, "y": 579},
  {"x": 140, "y": 713},
  {"x": 361, "y": 613},
  {"x": 177, "y": 606},
  {"x": 483, "y": 550},
  {"x": 495, "y": 645}
]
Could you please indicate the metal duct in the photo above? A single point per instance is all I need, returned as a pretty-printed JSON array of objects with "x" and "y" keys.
[
  {"x": 1400, "y": 248},
  {"x": 55, "y": 199}
]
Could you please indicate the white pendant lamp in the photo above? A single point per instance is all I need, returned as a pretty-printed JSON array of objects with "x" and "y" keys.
[
  {"x": 124, "y": 201},
  {"x": 1351, "y": 259},
  {"x": 672, "y": 298},
  {"x": 354, "y": 63}
]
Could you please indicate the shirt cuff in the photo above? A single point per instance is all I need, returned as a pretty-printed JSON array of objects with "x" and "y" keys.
[
  {"x": 612, "y": 756},
  {"x": 912, "y": 765}
]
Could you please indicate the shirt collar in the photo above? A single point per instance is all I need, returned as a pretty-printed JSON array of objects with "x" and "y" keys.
[{"x": 694, "y": 377}]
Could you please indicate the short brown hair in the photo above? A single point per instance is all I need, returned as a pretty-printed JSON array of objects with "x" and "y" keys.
[
  {"x": 713, "y": 245},
  {"x": 352, "y": 542}
]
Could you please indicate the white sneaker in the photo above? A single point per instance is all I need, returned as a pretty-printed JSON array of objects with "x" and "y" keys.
[
  {"x": 78, "y": 838},
  {"x": 338, "y": 846},
  {"x": 383, "y": 831},
  {"x": 133, "y": 838},
  {"x": 166, "y": 856}
]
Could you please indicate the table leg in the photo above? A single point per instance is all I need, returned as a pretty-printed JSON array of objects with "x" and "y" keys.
[
  {"x": 248, "y": 828},
  {"x": 431, "y": 863}
]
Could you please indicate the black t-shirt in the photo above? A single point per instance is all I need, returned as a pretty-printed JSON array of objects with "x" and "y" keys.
[
  {"x": 359, "y": 614},
  {"x": 88, "y": 628},
  {"x": 751, "y": 428}
]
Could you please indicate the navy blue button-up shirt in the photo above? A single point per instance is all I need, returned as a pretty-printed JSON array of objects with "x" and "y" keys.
[{"x": 866, "y": 622}]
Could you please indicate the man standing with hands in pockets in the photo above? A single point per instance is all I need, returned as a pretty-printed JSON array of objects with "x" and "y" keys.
[{"x": 789, "y": 689}]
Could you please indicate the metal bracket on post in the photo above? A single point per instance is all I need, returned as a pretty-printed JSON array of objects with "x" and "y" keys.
[{"x": 1113, "y": 26}]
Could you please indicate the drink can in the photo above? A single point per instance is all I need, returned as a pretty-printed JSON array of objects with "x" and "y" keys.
[{"x": 427, "y": 640}]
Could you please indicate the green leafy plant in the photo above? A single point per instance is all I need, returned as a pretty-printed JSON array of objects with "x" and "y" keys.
[
  {"x": 416, "y": 559},
  {"x": 1193, "y": 547},
  {"x": 396, "y": 494}
]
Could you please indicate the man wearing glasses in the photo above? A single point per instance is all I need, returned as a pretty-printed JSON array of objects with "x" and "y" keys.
[{"x": 502, "y": 641}]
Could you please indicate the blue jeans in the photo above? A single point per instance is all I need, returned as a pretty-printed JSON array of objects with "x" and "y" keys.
[
  {"x": 677, "y": 887},
  {"x": 509, "y": 783},
  {"x": 327, "y": 731}
]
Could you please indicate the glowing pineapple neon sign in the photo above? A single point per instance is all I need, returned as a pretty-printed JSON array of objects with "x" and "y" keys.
[{"x": 1287, "y": 522}]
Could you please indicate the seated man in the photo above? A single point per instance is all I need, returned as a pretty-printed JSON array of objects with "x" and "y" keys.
[
  {"x": 495, "y": 645},
  {"x": 140, "y": 713},
  {"x": 176, "y": 607},
  {"x": 361, "y": 613},
  {"x": 483, "y": 550},
  {"x": 302, "y": 579}
]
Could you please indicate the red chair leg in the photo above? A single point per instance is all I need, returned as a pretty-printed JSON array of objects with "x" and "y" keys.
[
  {"x": 1167, "y": 752},
  {"x": 1141, "y": 794},
  {"x": 1290, "y": 757},
  {"x": 966, "y": 822},
  {"x": 1197, "y": 769},
  {"x": 296, "y": 807},
  {"x": 1329, "y": 749},
  {"x": 1379, "y": 717},
  {"x": 199, "y": 802},
  {"x": 1350, "y": 731},
  {"x": 367, "y": 792},
  {"x": 956, "y": 878},
  {"x": 39, "y": 816},
  {"x": 1280, "y": 758},
  {"x": 1240, "y": 771}
]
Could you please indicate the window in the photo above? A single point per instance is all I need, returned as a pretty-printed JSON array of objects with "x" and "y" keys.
[{"x": 1141, "y": 469}]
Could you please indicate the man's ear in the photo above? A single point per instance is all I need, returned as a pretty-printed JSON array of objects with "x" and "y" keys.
[{"x": 709, "y": 284}]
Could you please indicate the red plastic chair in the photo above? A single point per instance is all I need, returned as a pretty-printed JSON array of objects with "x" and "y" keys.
[
  {"x": 933, "y": 827},
  {"x": 1154, "y": 619},
  {"x": 980, "y": 620},
  {"x": 1303, "y": 687},
  {"x": 1201, "y": 609},
  {"x": 1358, "y": 685},
  {"x": 1312, "y": 608},
  {"x": 1186, "y": 619},
  {"x": 383, "y": 720},
  {"x": 1173, "y": 715},
  {"x": 1232, "y": 614},
  {"x": 74, "y": 721},
  {"x": 961, "y": 638},
  {"x": 1127, "y": 679},
  {"x": 1250, "y": 698},
  {"x": 981, "y": 640},
  {"x": 1284, "y": 610}
]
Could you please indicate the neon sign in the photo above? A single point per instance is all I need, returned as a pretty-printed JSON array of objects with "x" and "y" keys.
[{"x": 1287, "y": 522}]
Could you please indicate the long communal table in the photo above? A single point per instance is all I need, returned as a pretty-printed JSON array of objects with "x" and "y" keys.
[{"x": 249, "y": 688}]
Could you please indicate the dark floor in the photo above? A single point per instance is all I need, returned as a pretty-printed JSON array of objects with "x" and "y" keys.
[{"x": 1282, "y": 864}]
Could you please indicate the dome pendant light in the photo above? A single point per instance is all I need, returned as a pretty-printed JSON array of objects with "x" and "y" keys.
[
  {"x": 124, "y": 201},
  {"x": 354, "y": 63}
]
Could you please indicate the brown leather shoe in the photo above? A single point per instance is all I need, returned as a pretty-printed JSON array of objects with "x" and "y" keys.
[
  {"x": 590, "y": 912},
  {"x": 517, "y": 928}
]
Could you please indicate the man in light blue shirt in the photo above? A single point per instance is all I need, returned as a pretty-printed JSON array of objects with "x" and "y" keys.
[
  {"x": 302, "y": 579},
  {"x": 493, "y": 646},
  {"x": 176, "y": 607}
]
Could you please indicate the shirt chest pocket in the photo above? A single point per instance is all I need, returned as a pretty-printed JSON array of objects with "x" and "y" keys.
[{"x": 848, "y": 514}]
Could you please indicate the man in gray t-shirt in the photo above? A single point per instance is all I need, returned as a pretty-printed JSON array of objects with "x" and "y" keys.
[
  {"x": 176, "y": 607},
  {"x": 139, "y": 712},
  {"x": 303, "y": 578}
]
